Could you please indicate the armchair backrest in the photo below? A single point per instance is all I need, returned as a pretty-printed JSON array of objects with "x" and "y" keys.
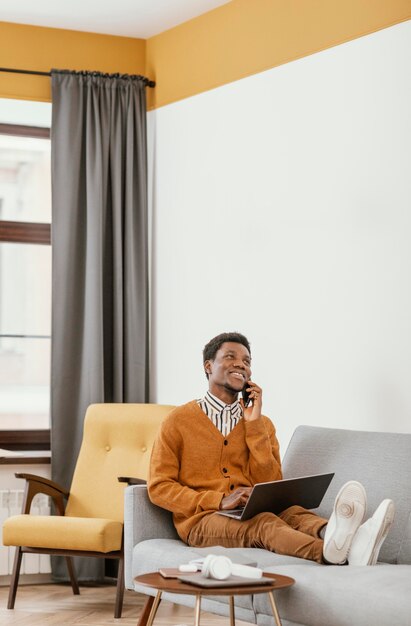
[{"x": 117, "y": 441}]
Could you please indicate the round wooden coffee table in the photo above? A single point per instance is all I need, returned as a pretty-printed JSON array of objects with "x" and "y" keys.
[{"x": 173, "y": 585}]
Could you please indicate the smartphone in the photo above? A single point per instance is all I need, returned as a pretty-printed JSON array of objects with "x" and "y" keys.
[{"x": 246, "y": 395}]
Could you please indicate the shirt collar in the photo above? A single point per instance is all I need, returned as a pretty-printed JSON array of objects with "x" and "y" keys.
[{"x": 219, "y": 405}]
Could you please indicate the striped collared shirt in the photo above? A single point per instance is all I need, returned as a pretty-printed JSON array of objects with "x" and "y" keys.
[{"x": 223, "y": 416}]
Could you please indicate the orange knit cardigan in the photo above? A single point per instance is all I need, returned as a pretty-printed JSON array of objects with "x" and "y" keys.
[{"x": 193, "y": 466}]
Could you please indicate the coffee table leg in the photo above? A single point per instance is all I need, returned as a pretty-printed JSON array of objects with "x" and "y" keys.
[
  {"x": 232, "y": 613},
  {"x": 274, "y": 608},
  {"x": 154, "y": 609},
  {"x": 198, "y": 609}
]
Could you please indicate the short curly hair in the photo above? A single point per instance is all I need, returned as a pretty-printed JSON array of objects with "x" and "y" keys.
[{"x": 213, "y": 346}]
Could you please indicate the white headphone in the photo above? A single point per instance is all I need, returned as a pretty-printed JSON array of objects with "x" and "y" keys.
[{"x": 221, "y": 568}]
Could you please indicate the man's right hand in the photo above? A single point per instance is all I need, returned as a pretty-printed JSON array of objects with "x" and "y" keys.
[{"x": 236, "y": 499}]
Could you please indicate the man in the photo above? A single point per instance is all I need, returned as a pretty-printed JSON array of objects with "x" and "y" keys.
[{"x": 210, "y": 452}]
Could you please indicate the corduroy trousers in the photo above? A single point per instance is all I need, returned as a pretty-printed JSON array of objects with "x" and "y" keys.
[{"x": 294, "y": 532}]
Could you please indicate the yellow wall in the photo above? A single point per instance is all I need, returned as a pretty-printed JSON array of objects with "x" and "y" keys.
[
  {"x": 245, "y": 37},
  {"x": 37, "y": 48},
  {"x": 239, "y": 39}
]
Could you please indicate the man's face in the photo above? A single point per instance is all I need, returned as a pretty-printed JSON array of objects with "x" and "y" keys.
[{"x": 230, "y": 369}]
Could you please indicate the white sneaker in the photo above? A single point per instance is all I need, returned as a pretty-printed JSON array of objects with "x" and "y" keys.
[
  {"x": 347, "y": 515},
  {"x": 369, "y": 538}
]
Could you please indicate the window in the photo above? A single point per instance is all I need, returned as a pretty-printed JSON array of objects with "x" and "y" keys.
[{"x": 25, "y": 277}]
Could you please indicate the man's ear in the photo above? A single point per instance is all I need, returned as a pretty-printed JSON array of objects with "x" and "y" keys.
[{"x": 207, "y": 367}]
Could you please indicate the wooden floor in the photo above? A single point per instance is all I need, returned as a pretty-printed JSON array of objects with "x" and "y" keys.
[{"x": 55, "y": 605}]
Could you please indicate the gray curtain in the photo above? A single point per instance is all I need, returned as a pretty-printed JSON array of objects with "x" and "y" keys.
[{"x": 100, "y": 269}]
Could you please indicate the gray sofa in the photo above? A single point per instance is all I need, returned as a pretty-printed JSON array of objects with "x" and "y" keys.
[{"x": 322, "y": 595}]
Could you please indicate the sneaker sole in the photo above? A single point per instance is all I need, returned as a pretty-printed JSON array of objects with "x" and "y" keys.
[{"x": 335, "y": 551}]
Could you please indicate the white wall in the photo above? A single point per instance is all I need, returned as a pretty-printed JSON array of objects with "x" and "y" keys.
[{"x": 281, "y": 208}]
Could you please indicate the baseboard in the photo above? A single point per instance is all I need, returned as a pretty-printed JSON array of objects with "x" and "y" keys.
[{"x": 27, "y": 579}]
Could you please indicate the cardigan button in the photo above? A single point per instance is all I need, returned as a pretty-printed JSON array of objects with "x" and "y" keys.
[
  {"x": 225, "y": 470},
  {"x": 144, "y": 449},
  {"x": 108, "y": 448},
  {"x": 225, "y": 442},
  {"x": 231, "y": 487}
]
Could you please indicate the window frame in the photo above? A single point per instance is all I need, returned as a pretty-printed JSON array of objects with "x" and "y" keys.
[{"x": 36, "y": 233}]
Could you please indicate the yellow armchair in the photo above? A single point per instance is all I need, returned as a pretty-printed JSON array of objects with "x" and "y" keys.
[{"x": 117, "y": 442}]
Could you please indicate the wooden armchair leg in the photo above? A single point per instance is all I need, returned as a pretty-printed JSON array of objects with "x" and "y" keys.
[
  {"x": 120, "y": 589},
  {"x": 15, "y": 578},
  {"x": 72, "y": 574}
]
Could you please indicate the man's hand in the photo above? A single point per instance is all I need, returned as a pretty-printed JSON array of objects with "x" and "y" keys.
[
  {"x": 253, "y": 412},
  {"x": 236, "y": 499}
]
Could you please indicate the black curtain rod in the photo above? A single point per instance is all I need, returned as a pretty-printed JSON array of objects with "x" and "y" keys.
[{"x": 149, "y": 83}]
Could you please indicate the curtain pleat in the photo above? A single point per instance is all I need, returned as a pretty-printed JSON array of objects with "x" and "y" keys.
[{"x": 100, "y": 265}]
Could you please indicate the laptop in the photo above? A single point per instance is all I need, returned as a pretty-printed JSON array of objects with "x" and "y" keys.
[
  {"x": 233, "y": 581},
  {"x": 278, "y": 495}
]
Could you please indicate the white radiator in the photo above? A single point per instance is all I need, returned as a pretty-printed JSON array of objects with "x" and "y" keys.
[{"x": 11, "y": 501}]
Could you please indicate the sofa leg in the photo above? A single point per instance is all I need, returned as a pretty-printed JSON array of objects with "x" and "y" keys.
[
  {"x": 72, "y": 575},
  {"x": 145, "y": 614},
  {"x": 120, "y": 589},
  {"x": 15, "y": 577}
]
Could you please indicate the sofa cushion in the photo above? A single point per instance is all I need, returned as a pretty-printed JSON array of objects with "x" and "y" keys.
[
  {"x": 380, "y": 461},
  {"x": 341, "y": 596},
  {"x": 151, "y": 555},
  {"x": 258, "y": 556}
]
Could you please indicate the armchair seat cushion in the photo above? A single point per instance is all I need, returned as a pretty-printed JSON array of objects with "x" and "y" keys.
[{"x": 63, "y": 533}]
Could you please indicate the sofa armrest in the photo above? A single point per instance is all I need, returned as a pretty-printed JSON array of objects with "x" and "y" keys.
[{"x": 142, "y": 520}]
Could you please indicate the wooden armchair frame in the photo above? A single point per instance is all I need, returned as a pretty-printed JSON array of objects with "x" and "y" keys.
[
  {"x": 117, "y": 439},
  {"x": 38, "y": 484}
]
